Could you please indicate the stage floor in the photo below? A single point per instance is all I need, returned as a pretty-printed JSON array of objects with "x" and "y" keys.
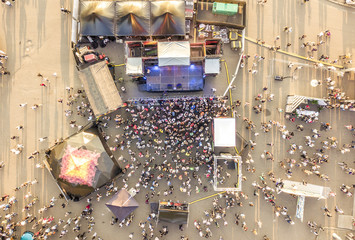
[{"x": 174, "y": 78}]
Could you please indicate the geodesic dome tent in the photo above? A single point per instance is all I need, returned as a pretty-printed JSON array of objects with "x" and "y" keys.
[{"x": 81, "y": 163}]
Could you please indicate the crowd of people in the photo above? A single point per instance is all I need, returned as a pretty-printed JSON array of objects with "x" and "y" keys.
[
  {"x": 167, "y": 143},
  {"x": 3, "y": 59},
  {"x": 165, "y": 147}
]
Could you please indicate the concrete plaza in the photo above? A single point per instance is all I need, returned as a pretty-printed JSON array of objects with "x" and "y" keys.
[{"x": 36, "y": 37}]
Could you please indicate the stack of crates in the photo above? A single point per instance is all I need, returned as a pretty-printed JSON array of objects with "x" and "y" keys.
[
  {"x": 229, "y": 9},
  {"x": 233, "y": 37}
]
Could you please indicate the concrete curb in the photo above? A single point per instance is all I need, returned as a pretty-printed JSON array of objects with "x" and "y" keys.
[{"x": 342, "y": 4}]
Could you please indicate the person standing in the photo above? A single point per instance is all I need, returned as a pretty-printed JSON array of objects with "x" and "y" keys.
[{"x": 65, "y": 10}]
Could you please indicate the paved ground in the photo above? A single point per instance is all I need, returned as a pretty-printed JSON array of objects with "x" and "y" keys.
[
  {"x": 343, "y": 3},
  {"x": 36, "y": 37}
]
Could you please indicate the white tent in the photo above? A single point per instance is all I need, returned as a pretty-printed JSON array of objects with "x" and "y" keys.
[
  {"x": 212, "y": 66},
  {"x": 134, "y": 66},
  {"x": 174, "y": 53},
  {"x": 224, "y": 132},
  {"x": 75, "y": 22},
  {"x": 308, "y": 190}
]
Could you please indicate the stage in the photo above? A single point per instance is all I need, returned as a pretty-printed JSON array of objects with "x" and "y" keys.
[{"x": 174, "y": 78}]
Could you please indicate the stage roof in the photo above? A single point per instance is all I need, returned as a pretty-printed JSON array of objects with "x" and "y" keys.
[
  {"x": 174, "y": 53},
  {"x": 133, "y": 18},
  {"x": 224, "y": 132},
  {"x": 97, "y": 18}
]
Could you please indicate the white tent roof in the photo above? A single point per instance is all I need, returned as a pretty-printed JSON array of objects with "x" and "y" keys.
[
  {"x": 212, "y": 65},
  {"x": 308, "y": 190},
  {"x": 224, "y": 132},
  {"x": 134, "y": 66},
  {"x": 174, "y": 53}
]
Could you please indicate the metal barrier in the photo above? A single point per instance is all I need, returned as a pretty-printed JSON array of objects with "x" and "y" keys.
[{"x": 154, "y": 100}]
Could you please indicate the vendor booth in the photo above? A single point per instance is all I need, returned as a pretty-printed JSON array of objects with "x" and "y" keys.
[
  {"x": 173, "y": 212},
  {"x": 227, "y": 164}
]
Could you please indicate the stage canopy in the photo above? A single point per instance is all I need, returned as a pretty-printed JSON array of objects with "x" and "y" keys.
[
  {"x": 100, "y": 88},
  {"x": 168, "y": 18},
  {"x": 133, "y": 18},
  {"x": 174, "y": 53},
  {"x": 173, "y": 212},
  {"x": 81, "y": 163},
  {"x": 224, "y": 132},
  {"x": 122, "y": 204},
  {"x": 97, "y": 18}
]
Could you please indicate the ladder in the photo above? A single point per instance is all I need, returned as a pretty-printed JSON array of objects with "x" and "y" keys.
[{"x": 293, "y": 102}]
